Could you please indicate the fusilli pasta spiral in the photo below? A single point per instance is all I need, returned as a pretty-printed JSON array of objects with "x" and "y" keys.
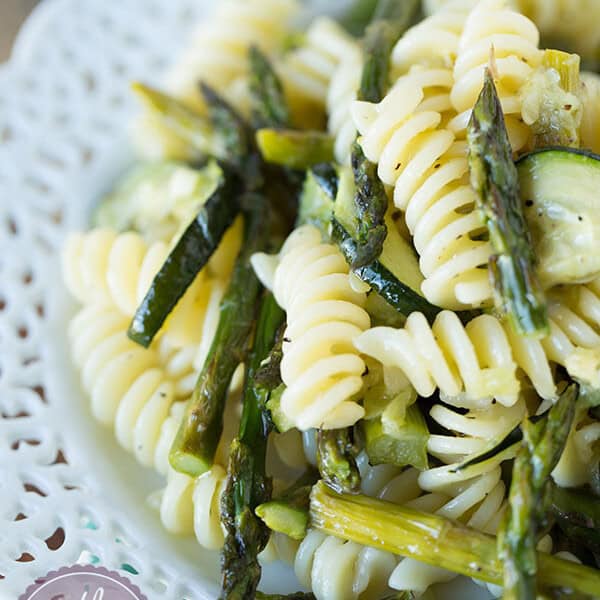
[
  {"x": 416, "y": 154},
  {"x": 342, "y": 92},
  {"x": 514, "y": 40},
  {"x": 126, "y": 383},
  {"x": 320, "y": 367},
  {"x": 471, "y": 365},
  {"x": 581, "y": 452},
  {"x": 590, "y": 122},
  {"x": 434, "y": 41},
  {"x": 307, "y": 71},
  {"x": 217, "y": 52}
]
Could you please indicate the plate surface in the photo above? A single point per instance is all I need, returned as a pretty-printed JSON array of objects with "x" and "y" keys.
[{"x": 69, "y": 493}]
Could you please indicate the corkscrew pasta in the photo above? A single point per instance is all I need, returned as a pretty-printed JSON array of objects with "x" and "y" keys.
[
  {"x": 471, "y": 365},
  {"x": 434, "y": 41},
  {"x": 307, "y": 71},
  {"x": 217, "y": 49},
  {"x": 320, "y": 367},
  {"x": 590, "y": 122},
  {"x": 127, "y": 386},
  {"x": 340, "y": 95},
  {"x": 514, "y": 39},
  {"x": 416, "y": 154}
]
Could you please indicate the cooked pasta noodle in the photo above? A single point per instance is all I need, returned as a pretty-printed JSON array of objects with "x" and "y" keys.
[
  {"x": 127, "y": 386},
  {"x": 340, "y": 570},
  {"x": 340, "y": 95},
  {"x": 217, "y": 51},
  {"x": 568, "y": 22},
  {"x": 434, "y": 41},
  {"x": 320, "y": 367},
  {"x": 471, "y": 365},
  {"x": 307, "y": 71},
  {"x": 590, "y": 122},
  {"x": 416, "y": 154},
  {"x": 579, "y": 458},
  {"x": 514, "y": 40}
]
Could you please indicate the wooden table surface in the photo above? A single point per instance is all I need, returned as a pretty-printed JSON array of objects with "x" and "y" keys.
[{"x": 12, "y": 14}]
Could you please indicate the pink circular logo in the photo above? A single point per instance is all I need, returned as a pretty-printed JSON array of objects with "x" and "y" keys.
[{"x": 82, "y": 583}]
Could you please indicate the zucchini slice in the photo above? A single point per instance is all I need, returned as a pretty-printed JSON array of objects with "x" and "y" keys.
[
  {"x": 192, "y": 251},
  {"x": 560, "y": 189},
  {"x": 395, "y": 275}
]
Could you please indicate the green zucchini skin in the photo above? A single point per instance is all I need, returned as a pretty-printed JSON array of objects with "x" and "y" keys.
[
  {"x": 404, "y": 299},
  {"x": 191, "y": 253},
  {"x": 559, "y": 190}
]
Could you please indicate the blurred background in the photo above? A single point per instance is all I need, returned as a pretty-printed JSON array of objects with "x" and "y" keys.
[{"x": 12, "y": 15}]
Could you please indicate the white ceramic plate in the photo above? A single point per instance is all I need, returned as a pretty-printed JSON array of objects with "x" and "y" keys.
[{"x": 64, "y": 105}]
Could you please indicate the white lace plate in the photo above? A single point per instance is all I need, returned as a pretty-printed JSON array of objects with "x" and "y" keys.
[{"x": 68, "y": 492}]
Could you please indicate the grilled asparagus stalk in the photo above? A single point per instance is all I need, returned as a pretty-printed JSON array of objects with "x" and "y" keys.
[
  {"x": 196, "y": 441},
  {"x": 542, "y": 446},
  {"x": 433, "y": 539},
  {"x": 247, "y": 483},
  {"x": 495, "y": 180},
  {"x": 336, "y": 459}
]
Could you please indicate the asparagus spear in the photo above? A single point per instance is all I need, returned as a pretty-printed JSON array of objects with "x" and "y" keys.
[
  {"x": 268, "y": 102},
  {"x": 183, "y": 121},
  {"x": 236, "y": 137},
  {"x": 336, "y": 458},
  {"x": 196, "y": 441},
  {"x": 294, "y": 149},
  {"x": 543, "y": 443},
  {"x": 577, "y": 513},
  {"x": 371, "y": 204},
  {"x": 495, "y": 180},
  {"x": 389, "y": 21},
  {"x": 289, "y": 513},
  {"x": 294, "y": 596},
  {"x": 190, "y": 254},
  {"x": 432, "y": 539},
  {"x": 247, "y": 484}
]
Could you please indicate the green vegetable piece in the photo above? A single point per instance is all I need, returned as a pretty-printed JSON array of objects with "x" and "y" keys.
[
  {"x": 336, "y": 459},
  {"x": 285, "y": 518},
  {"x": 269, "y": 107},
  {"x": 281, "y": 422},
  {"x": 551, "y": 101},
  {"x": 577, "y": 513},
  {"x": 559, "y": 189},
  {"x": 432, "y": 539},
  {"x": 294, "y": 149},
  {"x": 390, "y": 20},
  {"x": 370, "y": 203},
  {"x": 247, "y": 484},
  {"x": 196, "y": 441},
  {"x": 184, "y": 122},
  {"x": 400, "y": 445},
  {"x": 495, "y": 181},
  {"x": 236, "y": 137},
  {"x": 192, "y": 251},
  {"x": 316, "y": 205},
  {"x": 288, "y": 514},
  {"x": 157, "y": 198},
  {"x": 395, "y": 292},
  {"x": 293, "y": 596},
  {"x": 543, "y": 443}
]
